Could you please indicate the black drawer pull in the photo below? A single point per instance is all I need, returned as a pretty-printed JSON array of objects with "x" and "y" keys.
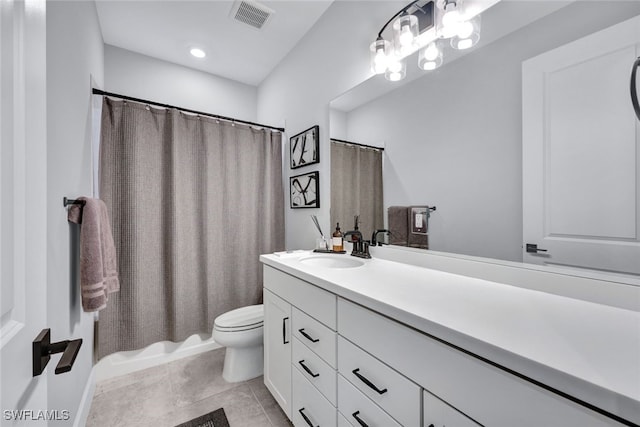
[
  {"x": 308, "y": 421},
  {"x": 362, "y": 423},
  {"x": 307, "y": 336},
  {"x": 367, "y": 382},
  {"x": 306, "y": 368},
  {"x": 284, "y": 330}
]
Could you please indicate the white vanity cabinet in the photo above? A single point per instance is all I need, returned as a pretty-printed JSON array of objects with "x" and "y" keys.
[
  {"x": 337, "y": 354},
  {"x": 481, "y": 391},
  {"x": 277, "y": 349},
  {"x": 300, "y": 348}
]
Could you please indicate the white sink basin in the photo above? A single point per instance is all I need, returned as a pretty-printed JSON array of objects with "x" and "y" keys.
[{"x": 332, "y": 261}]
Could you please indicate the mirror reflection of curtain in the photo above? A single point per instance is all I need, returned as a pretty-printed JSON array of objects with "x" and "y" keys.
[
  {"x": 193, "y": 203},
  {"x": 356, "y": 187}
]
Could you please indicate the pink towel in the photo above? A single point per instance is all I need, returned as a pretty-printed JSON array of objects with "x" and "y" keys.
[{"x": 98, "y": 265}]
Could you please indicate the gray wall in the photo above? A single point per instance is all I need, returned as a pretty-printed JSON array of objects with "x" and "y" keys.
[
  {"x": 140, "y": 76},
  {"x": 74, "y": 57},
  {"x": 453, "y": 138}
]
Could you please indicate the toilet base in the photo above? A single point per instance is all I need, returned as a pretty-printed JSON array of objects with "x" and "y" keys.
[{"x": 243, "y": 363}]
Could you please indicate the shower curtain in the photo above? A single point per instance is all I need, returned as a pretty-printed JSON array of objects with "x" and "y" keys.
[
  {"x": 356, "y": 187},
  {"x": 193, "y": 202}
]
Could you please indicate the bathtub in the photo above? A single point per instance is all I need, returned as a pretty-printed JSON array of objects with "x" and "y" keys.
[{"x": 125, "y": 362}]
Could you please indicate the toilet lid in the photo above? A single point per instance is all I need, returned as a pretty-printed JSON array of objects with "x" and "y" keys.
[{"x": 243, "y": 317}]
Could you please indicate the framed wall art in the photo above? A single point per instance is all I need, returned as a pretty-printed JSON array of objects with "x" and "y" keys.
[
  {"x": 305, "y": 190},
  {"x": 304, "y": 148}
]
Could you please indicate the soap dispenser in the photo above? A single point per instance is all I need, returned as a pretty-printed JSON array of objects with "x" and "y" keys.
[{"x": 336, "y": 240}]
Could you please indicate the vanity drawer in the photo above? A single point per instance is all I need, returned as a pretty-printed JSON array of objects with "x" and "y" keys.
[
  {"x": 317, "y": 302},
  {"x": 315, "y": 335},
  {"x": 314, "y": 369},
  {"x": 356, "y": 406},
  {"x": 342, "y": 421},
  {"x": 489, "y": 395},
  {"x": 386, "y": 387},
  {"x": 310, "y": 408},
  {"x": 439, "y": 414}
]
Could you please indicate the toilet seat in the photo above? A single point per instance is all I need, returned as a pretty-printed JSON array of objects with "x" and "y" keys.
[{"x": 240, "y": 319}]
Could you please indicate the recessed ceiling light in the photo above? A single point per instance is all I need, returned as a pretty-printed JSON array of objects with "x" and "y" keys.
[{"x": 197, "y": 52}]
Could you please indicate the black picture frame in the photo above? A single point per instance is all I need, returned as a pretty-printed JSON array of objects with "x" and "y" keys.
[
  {"x": 304, "y": 148},
  {"x": 304, "y": 191}
]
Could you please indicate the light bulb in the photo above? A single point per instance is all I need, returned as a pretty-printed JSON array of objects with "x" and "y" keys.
[
  {"x": 405, "y": 31},
  {"x": 468, "y": 34},
  {"x": 380, "y": 62},
  {"x": 465, "y": 44},
  {"x": 431, "y": 52},
  {"x": 429, "y": 65},
  {"x": 379, "y": 55},
  {"x": 451, "y": 17},
  {"x": 430, "y": 57},
  {"x": 406, "y": 37},
  {"x": 198, "y": 53},
  {"x": 396, "y": 70},
  {"x": 450, "y": 20},
  {"x": 465, "y": 29},
  {"x": 395, "y": 66}
]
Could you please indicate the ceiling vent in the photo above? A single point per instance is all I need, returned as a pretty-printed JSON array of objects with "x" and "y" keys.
[{"x": 251, "y": 13}]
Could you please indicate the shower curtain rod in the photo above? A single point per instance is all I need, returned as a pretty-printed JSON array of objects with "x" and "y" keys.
[
  {"x": 358, "y": 145},
  {"x": 200, "y": 113}
]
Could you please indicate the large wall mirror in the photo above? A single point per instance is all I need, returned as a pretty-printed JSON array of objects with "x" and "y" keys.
[{"x": 530, "y": 137}]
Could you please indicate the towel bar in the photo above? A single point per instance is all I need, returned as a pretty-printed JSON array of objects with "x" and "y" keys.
[{"x": 68, "y": 202}]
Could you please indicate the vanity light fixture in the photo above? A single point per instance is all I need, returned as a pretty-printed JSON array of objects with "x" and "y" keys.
[
  {"x": 197, "y": 52},
  {"x": 421, "y": 26}
]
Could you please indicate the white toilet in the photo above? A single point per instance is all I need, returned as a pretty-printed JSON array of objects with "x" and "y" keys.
[{"x": 240, "y": 331}]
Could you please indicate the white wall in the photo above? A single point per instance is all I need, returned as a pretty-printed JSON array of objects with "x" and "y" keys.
[
  {"x": 132, "y": 74},
  {"x": 74, "y": 57},
  {"x": 328, "y": 61},
  {"x": 470, "y": 167}
]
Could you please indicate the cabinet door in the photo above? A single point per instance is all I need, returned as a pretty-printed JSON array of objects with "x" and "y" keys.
[
  {"x": 438, "y": 414},
  {"x": 277, "y": 349}
]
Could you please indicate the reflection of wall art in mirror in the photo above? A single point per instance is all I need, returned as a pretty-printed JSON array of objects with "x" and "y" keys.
[
  {"x": 304, "y": 148},
  {"x": 305, "y": 190}
]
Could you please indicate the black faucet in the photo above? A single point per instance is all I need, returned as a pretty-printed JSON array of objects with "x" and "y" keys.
[
  {"x": 374, "y": 240},
  {"x": 360, "y": 247},
  {"x": 353, "y": 233}
]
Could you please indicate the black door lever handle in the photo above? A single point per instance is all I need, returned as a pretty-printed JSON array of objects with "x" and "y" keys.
[
  {"x": 533, "y": 248},
  {"x": 43, "y": 348}
]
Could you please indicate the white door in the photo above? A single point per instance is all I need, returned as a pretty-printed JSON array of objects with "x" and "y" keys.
[
  {"x": 277, "y": 349},
  {"x": 23, "y": 172},
  {"x": 581, "y": 156}
]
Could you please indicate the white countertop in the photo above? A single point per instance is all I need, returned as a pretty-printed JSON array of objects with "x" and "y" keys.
[{"x": 587, "y": 350}]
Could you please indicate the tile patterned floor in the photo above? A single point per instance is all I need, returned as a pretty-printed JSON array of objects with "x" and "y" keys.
[{"x": 179, "y": 391}]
